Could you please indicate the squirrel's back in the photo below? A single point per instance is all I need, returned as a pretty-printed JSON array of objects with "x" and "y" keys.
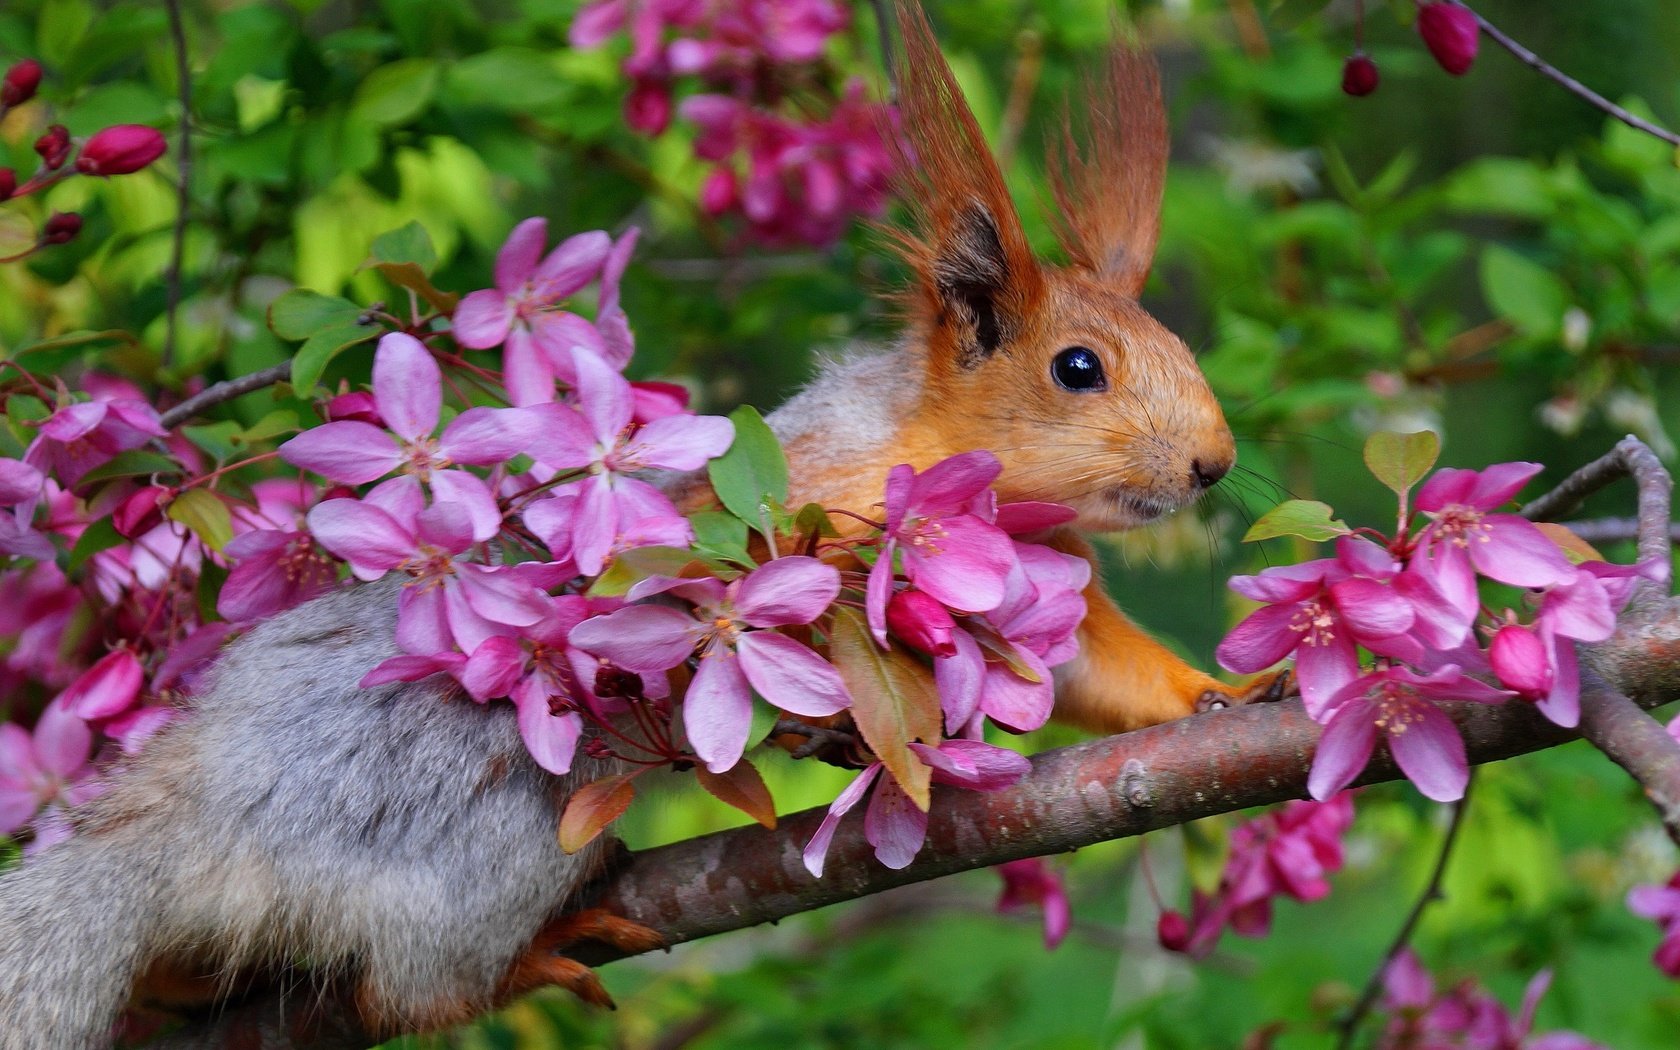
[{"x": 401, "y": 835}]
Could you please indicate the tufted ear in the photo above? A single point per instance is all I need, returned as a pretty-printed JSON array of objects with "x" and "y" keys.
[
  {"x": 976, "y": 272},
  {"x": 1108, "y": 195}
]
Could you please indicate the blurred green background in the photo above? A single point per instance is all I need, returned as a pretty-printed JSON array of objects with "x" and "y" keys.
[{"x": 1484, "y": 256}]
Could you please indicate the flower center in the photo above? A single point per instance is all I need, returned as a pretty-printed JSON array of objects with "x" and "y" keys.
[
  {"x": 1458, "y": 524},
  {"x": 430, "y": 566},
  {"x": 927, "y": 536},
  {"x": 1315, "y": 623},
  {"x": 303, "y": 563},
  {"x": 1398, "y": 708},
  {"x": 423, "y": 458}
]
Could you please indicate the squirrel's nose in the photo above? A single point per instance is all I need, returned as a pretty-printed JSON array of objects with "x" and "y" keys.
[{"x": 1208, "y": 474}]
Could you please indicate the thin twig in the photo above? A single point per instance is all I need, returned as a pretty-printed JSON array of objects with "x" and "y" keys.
[
  {"x": 1349, "y": 1024},
  {"x": 1567, "y": 82},
  {"x": 226, "y": 390},
  {"x": 1634, "y": 740},
  {"x": 1612, "y": 530},
  {"x": 183, "y": 175}
]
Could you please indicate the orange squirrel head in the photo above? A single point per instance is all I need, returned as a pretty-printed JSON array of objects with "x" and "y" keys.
[{"x": 1086, "y": 398}]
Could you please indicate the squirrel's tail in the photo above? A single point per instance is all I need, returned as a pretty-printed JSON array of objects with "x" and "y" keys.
[{"x": 73, "y": 925}]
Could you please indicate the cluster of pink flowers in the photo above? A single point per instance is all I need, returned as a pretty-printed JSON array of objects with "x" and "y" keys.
[
  {"x": 501, "y": 520},
  {"x": 1462, "y": 1017},
  {"x": 1412, "y": 601},
  {"x": 796, "y": 174},
  {"x": 1288, "y": 852},
  {"x": 117, "y": 150}
]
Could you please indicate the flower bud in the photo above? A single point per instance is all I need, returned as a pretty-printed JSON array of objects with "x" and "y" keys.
[
  {"x": 141, "y": 511},
  {"x": 1520, "y": 661},
  {"x": 20, "y": 83},
  {"x": 61, "y": 228},
  {"x": 1451, "y": 34},
  {"x": 922, "y": 623},
  {"x": 357, "y": 405},
  {"x": 54, "y": 146},
  {"x": 120, "y": 149},
  {"x": 1359, "y": 75},
  {"x": 647, "y": 108},
  {"x": 1172, "y": 929},
  {"x": 8, "y": 183},
  {"x": 718, "y": 194}
]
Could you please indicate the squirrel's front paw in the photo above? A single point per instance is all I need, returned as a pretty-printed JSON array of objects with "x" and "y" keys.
[{"x": 1263, "y": 690}]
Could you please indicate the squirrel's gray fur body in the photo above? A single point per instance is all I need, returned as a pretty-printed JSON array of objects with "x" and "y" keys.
[{"x": 399, "y": 835}]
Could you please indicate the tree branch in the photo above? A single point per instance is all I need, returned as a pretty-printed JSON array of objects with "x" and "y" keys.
[{"x": 226, "y": 390}]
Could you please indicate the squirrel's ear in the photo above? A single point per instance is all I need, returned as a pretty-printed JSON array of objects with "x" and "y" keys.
[
  {"x": 1108, "y": 195},
  {"x": 976, "y": 271}
]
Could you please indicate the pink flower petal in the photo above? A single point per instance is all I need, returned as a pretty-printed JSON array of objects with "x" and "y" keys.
[
  {"x": 363, "y": 535},
  {"x": 526, "y": 371},
  {"x": 1325, "y": 669},
  {"x": 603, "y": 397},
  {"x": 1343, "y": 750},
  {"x": 63, "y": 741},
  {"x": 594, "y": 524},
  {"x": 501, "y": 597},
  {"x": 407, "y": 386},
  {"x": 717, "y": 711},
  {"x": 18, "y": 482},
  {"x": 517, "y": 259},
  {"x": 1013, "y": 702},
  {"x": 1018, "y": 518},
  {"x": 893, "y": 825},
  {"x": 574, "y": 263},
  {"x": 106, "y": 689},
  {"x": 946, "y": 485},
  {"x": 639, "y": 638},
  {"x": 347, "y": 451},
  {"x": 465, "y": 492},
  {"x": 1495, "y": 486},
  {"x": 877, "y": 592},
  {"x": 1371, "y": 609},
  {"x": 563, "y": 439},
  {"x": 967, "y": 565},
  {"x": 482, "y": 319},
  {"x": 1430, "y": 752},
  {"x": 790, "y": 675},
  {"x": 959, "y": 679},
  {"x": 1264, "y": 637},
  {"x": 423, "y": 626},
  {"x": 1515, "y": 551},
  {"x": 816, "y": 851},
  {"x": 787, "y": 591},
  {"x": 487, "y": 436},
  {"x": 552, "y": 739},
  {"x": 445, "y": 525},
  {"x": 680, "y": 442}
]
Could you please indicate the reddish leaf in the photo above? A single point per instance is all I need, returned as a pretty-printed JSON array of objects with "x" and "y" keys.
[
  {"x": 592, "y": 807},
  {"x": 894, "y": 701},
  {"x": 742, "y": 788}
]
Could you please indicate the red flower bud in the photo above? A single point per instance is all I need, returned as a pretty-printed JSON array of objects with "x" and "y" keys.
[
  {"x": 1172, "y": 929},
  {"x": 1359, "y": 75},
  {"x": 8, "y": 183},
  {"x": 54, "y": 146},
  {"x": 1451, "y": 34},
  {"x": 61, "y": 227},
  {"x": 20, "y": 83},
  {"x": 1520, "y": 660},
  {"x": 357, "y": 405},
  {"x": 141, "y": 511},
  {"x": 120, "y": 149},
  {"x": 647, "y": 108},
  {"x": 922, "y": 623}
]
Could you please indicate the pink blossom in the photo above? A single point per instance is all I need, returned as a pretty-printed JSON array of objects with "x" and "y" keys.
[
  {"x": 1031, "y": 881},
  {"x": 1519, "y": 658},
  {"x": 1287, "y": 851},
  {"x": 277, "y": 564},
  {"x": 1399, "y": 703},
  {"x": 448, "y": 603},
  {"x": 960, "y": 560},
  {"x": 78, "y": 437},
  {"x": 523, "y": 310},
  {"x": 598, "y": 436},
  {"x": 120, "y": 149},
  {"x": 893, "y": 824},
  {"x": 45, "y": 768},
  {"x": 1661, "y": 904},
  {"x": 1321, "y": 612},
  {"x": 922, "y": 623},
  {"x": 732, "y": 628},
  {"x": 1464, "y": 1016},
  {"x": 107, "y": 689},
  {"x": 408, "y": 390},
  {"x": 19, "y": 483},
  {"x": 1581, "y": 608},
  {"x": 1463, "y": 538}
]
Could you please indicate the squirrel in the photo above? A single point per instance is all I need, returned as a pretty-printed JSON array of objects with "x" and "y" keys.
[{"x": 404, "y": 846}]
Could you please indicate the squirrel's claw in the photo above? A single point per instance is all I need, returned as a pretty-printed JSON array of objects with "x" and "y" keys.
[
  {"x": 541, "y": 965},
  {"x": 1263, "y": 690}
]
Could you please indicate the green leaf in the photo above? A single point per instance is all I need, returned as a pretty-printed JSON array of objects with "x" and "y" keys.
[
  {"x": 98, "y": 536},
  {"x": 637, "y": 564},
  {"x": 1522, "y": 291},
  {"x": 741, "y": 786},
  {"x": 406, "y": 244},
  {"x": 136, "y": 462},
  {"x": 592, "y": 807},
  {"x": 894, "y": 701},
  {"x": 318, "y": 351},
  {"x": 751, "y": 478},
  {"x": 813, "y": 520},
  {"x": 395, "y": 93},
  {"x": 1308, "y": 519},
  {"x": 206, "y": 515},
  {"x": 280, "y": 421},
  {"x": 1401, "y": 460},
  {"x": 722, "y": 535},
  {"x": 410, "y": 276},
  {"x": 300, "y": 313}
]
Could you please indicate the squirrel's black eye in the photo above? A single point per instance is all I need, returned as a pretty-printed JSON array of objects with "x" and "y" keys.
[{"x": 1078, "y": 369}]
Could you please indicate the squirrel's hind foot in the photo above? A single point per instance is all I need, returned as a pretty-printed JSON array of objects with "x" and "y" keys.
[
  {"x": 1266, "y": 689},
  {"x": 541, "y": 965}
]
